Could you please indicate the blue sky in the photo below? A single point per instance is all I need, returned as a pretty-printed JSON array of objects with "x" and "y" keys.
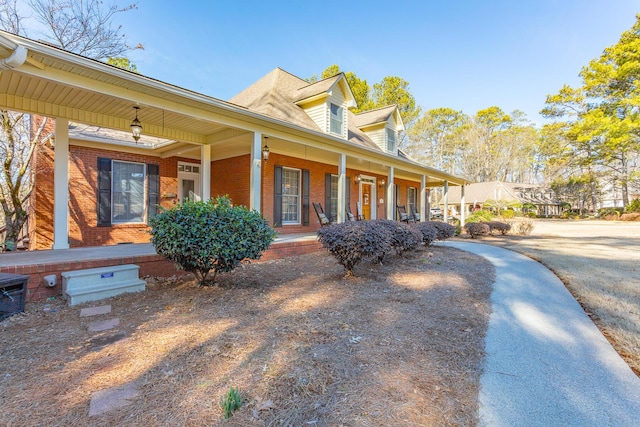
[{"x": 467, "y": 55}]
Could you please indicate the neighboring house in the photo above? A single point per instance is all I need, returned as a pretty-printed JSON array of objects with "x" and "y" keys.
[
  {"x": 505, "y": 195},
  {"x": 95, "y": 185}
]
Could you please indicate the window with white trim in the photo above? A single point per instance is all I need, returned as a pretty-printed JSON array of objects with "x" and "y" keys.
[
  {"x": 291, "y": 196},
  {"x": 391, "y": 140},
  {"x": 334, "y": 196},
  {"x": 412, "y": 200},
  {"x": 127, "y": 192},
  {"x": 336, "y": 119}
]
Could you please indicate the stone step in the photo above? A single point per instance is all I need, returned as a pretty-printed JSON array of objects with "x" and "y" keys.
[{"x": 94, "y": 284}]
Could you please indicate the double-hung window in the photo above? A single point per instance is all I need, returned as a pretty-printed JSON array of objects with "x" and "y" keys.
[
  {"x": 336, "y": 120},
  {"x": 291, "y": 196},
  {"x": 391, "y": 140},
  {"x": 333, "y": 207},
  {"x": 127, "y": 192},
  {"x": 412, "y": 199}
]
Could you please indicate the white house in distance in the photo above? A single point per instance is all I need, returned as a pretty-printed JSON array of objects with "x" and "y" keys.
[{"x": 532, "y": 197}]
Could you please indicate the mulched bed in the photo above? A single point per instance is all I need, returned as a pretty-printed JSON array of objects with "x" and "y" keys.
[{"x": 399, "y": 344}]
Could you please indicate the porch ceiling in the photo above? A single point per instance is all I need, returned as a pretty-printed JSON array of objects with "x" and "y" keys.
[{"x": 39, "y": 95}]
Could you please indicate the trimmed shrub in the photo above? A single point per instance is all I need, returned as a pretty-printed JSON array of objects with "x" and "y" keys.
[
  {"x": 475, "y": 229},
  {"x": 352, "y": 242},
  {"x": 428, "y": 230},
  {"x": 404, "y": 237},
  {"x": 214, "y": 235},
  {"x": 444, "y": 231},
  {"x": 501, "y": 227}
]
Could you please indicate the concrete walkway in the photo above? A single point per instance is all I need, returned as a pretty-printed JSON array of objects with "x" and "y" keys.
[{"x": 546, "y": 362}]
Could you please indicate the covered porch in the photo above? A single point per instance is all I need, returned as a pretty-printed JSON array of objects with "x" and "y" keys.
[{"x": 180, "y": 127}]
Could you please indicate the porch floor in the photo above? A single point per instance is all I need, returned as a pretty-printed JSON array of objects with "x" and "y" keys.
[
  {"x": 21, "y": 258},
  {"x": 37, "y": 264}
]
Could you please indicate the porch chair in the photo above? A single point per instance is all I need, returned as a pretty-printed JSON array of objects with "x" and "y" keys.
[
  {"x": 359, "y": 214},
  {"x": 322, "y": 217},
  {"x": 403, "y": 215},
  {"x": 414, "y": 215},
  {"x": 351, "y": 216}
]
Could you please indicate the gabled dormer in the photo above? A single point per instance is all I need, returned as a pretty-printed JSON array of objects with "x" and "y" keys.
[
  {"x": 382, "y": 126},
  {"x": 327, "y": 102}
]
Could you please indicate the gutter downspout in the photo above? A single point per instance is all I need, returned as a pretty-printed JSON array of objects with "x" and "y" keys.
[{"x": 17, "y": 57}]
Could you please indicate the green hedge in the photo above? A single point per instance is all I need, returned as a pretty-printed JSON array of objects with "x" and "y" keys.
[{"x": 214, "y": 235}]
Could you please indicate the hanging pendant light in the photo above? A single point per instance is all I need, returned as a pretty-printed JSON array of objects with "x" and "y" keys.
[
  {"x": 265, "y": 150},
  {"x": 136, "y": 126}
]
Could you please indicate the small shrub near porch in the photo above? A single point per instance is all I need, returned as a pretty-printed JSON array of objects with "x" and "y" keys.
[
  {"x": 214, "y": 235},
  {"x": 476, "y": 229},
  {"x": 352, "y": 242}
]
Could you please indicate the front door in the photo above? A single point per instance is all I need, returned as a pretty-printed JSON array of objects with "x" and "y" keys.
[
  {"x": 188, "y": 182},
  {"x": 367, "y": 198}
]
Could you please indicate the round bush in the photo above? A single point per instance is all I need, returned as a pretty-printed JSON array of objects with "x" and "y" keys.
[
  {"x": 475, "y": 229},
  {"x": 404, "y": 237},
  {"x": 214, "y": 235},
  {"x": 352, "y": 241},
  {"x": 444, "y": 231},
  {"x": 502, "y": 227},
  {"x": 429, "y": 231}
]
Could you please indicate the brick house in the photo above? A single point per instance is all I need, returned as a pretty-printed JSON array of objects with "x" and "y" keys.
[{"x": 96, "y": 185}]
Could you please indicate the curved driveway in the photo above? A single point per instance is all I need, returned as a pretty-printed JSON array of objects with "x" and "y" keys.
[
  {"x": 546, "y": 362},
  {"x": 599, "y": 261}
]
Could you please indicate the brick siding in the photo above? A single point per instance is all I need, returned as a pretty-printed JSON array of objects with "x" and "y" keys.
[{"x": 150, "y": 265}]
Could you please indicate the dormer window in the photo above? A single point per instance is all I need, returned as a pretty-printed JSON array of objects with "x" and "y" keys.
[
  {"x": 391, "y": 140},
  {"x": 336, "y": 120}
]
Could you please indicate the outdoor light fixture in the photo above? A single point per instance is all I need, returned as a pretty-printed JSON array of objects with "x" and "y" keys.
[
  {"x": 136, "y": 126},
  {"x": 383, "y": 182},
  {"x": 358, "y": 178},
  {"x": 265, "y": 150}
]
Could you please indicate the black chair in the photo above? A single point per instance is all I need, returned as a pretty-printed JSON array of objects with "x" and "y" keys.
[
  {"x": 403, "y": 215},
  {"x": 322, "y": 217}
]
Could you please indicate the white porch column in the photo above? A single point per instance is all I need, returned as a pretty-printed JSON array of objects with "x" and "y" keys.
[
  {"x": 61, "y": 186},
  {"x": 391, "y": 194},
  {"x": 342, "y": 187},
  {"x": 424, "y": 205},
  {"x": 255, "y": 177},
  {"x": 463, "y": 206},
  {"x": 205, "y": 175},
  {"x": 446, "y": 202}
]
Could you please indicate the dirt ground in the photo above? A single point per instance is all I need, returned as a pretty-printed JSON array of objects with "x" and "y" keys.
[
  {"x": 599, "y": 262},
  {"x": 400, "y": 344}
]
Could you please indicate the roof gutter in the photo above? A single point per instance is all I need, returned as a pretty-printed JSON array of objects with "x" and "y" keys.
[{"x": 17, "y": 57}]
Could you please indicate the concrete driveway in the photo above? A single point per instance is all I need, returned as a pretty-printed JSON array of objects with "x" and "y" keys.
[
  {"x": 599, "y": 261},
  {"x": 546, "y": 362}
]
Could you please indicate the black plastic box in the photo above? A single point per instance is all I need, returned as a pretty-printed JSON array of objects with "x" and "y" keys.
[{"x": 13, "y": 292}]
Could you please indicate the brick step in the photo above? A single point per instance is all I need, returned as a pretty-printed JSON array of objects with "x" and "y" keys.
[{"x": 94, "y": 284}]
